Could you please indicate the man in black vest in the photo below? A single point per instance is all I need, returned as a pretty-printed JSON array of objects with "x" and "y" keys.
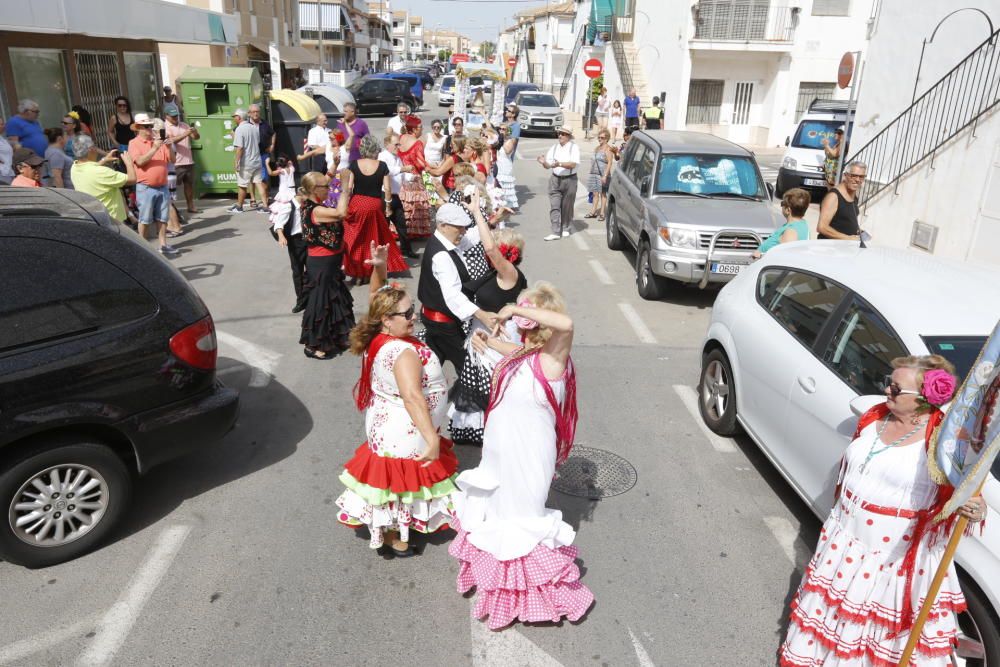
[{"x": 444, "y": 307}]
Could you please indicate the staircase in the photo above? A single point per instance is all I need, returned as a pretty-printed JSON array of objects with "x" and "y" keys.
[
  {"x": 627, "y": 59},
  {"x": 959, "y": 99},
  {"x": 572, "y": 64}
]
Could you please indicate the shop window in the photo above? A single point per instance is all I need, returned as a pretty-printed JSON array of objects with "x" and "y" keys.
[
  {"x": 140, "y": 78},
  {"x": 40, "y": 75}
]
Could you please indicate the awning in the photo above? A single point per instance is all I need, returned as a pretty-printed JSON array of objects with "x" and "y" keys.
[{"x": 292, "y": 56}]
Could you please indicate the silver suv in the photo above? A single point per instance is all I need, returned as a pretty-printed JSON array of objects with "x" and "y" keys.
[{"x": 694, "y": 206}]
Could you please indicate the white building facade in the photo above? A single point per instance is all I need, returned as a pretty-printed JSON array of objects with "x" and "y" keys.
[{"x": 543, "y": 42}]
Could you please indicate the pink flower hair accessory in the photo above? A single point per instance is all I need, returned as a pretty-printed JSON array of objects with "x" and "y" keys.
[
  {"x": 938, "y": 388},
  {"x": 524, "y": 322}
]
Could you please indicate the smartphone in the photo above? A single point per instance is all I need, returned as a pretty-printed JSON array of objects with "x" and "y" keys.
[{"x": 163, "y": 135}]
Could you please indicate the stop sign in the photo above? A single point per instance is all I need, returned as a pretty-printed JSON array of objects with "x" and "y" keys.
[
  {"x": 593, "y": 68},
  {"x": 512, "y": 61}
]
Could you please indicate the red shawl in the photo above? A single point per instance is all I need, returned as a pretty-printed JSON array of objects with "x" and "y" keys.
[{"x": 363, "y": 388}]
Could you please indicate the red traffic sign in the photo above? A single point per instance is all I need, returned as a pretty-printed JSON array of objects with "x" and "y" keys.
[
  {"x": 593, "y": 68},
  {"x": 512, "y": 61},
  {"x": 845, "y": 71}
]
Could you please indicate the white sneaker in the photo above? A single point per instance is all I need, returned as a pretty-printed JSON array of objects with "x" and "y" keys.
[
  {"x": 551, "y": 237},
  {"x": 565, "y": 233}
]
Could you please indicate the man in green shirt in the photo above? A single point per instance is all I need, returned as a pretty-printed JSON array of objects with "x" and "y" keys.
[{"x": 97, "y": 179}]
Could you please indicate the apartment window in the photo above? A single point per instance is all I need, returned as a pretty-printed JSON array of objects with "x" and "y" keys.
[
  {"x": 811, "y": 90},
  {"x": 704, "y": 101},
  {"x": 731, "y": 19},
  {"x": 831, "y": 7},
  {"x": 40, "y": 75}
]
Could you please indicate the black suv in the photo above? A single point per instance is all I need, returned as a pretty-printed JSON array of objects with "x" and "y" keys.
[
  {"x": 107, "y": 368},
  {"x": 377, "y": 95}
]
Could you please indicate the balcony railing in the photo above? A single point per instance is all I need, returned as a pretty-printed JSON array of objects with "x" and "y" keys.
[
  {"x": 746, "y": 21},
  {"x": 328, "y": 35}
]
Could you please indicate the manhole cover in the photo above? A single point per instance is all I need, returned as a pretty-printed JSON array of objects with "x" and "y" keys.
[{"x": 594, "y": 473}]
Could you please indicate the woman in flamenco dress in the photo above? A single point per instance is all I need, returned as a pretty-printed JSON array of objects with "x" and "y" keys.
[
  {"x": 413, "y": 194},
  {"x": 517, "y": 553}
]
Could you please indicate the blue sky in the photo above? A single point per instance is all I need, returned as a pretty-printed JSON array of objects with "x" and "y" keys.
[{"x": 478, "y": 20}]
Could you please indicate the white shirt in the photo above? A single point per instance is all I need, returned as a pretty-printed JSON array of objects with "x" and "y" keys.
[
  {"x": 318, "y": 136},
  {"x": 396, "y": 124},
  {"x": 6, "y": 160},
  {"x": 279, "y": 220},
  {"x": 342, "y": 159},
  {"x": 446, "y": 273},
  {"x": 569, "y": 152},
  {"x": 395, "y": 169}
]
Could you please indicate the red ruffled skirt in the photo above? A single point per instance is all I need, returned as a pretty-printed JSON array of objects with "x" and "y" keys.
[{"x": 366, "y": 222}]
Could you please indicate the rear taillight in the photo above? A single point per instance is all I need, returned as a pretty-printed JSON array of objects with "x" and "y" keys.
[{"x": 195, "y": 344}]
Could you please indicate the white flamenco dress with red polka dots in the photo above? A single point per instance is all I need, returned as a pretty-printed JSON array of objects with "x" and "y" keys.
[
  {"x": 517, "y": 553},
  {"x": 851, "y": 608}
]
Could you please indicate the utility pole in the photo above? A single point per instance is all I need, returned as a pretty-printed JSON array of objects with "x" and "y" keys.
[{"x": 319, "y": 25}]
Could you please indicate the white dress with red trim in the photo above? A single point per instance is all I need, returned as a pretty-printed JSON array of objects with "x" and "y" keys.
[
  {"x": 386, "y": 488},
  {"x": 514, "y": 550},
  {"x": 851, "y": 608}
]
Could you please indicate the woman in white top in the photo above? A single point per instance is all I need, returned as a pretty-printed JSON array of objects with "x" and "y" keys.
[
  {"x": 434, "y": 144},
  {"x": 603, "y": 107},
  {"x": 615, "y": 119}
]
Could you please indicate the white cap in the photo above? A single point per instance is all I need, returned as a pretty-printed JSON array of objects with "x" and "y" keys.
[{"x": 452, "y": 214}]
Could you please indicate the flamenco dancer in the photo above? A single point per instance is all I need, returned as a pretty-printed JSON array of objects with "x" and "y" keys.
[
  {"x": 413, "y": 193},
  {"x": 878, "y": 551},
  {"x": 515, "y": 551},
  {"x": 400, "y": 479},
  {"x": 502, "y": 284},
  {"x": 367, "y": 179}
]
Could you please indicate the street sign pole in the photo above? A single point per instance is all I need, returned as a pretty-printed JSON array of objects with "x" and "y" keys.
[{"x": 848, "y": 74}]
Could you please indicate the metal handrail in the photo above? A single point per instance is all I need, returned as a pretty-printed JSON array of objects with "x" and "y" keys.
[
  {"x": 577, "y": 46},
  {"x": 624, "y": 70},
  {"x": 958, "y": 99}
]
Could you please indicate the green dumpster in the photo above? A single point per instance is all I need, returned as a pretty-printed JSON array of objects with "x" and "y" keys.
[{"x": 210, "y": 96}]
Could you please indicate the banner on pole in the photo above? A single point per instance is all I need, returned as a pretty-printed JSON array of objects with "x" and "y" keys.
[{"x": 967, "y": 443}]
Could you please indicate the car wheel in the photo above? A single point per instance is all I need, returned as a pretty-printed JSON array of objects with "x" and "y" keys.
[
  {"x": 651, "y": 286},
  {"x": 978, "y": 638},
  {"x": 614, "y": 235},
  {"x": 717, "y": 393},
  {"x": 60, "y": 501}
]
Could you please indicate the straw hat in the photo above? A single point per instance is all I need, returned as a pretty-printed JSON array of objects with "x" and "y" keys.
[
  {"x": 142, "y": 120},
  {"x": 565, "y": 129}
]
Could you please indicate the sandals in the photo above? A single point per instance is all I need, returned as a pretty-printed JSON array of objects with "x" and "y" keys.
[
  {"x": 590, "y": 215},
  {"x": 174, "y": 235}
]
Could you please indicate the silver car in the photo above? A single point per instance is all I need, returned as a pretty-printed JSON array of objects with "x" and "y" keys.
[
  {"x": 694, "y": 206},
  {"x": 539, "y": 112}
]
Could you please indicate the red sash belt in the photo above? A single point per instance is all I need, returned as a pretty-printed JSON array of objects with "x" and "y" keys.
[
  {"x": 435, "y": 316},
  {"x": 886, "y": 511}
]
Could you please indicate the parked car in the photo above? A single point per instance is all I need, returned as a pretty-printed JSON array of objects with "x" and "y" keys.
[
  {"x": 107, "y": 369},
  {"x": 374, "y": 95},
  {"x": 797, "y": 348},
  {"x": 514, "y": 88},
  {"x": 412, "y": 80},
  {"x": 539, "y": 112},
  {"x": 424, "y": 74},
  {"x": 446, "y": 93},
  {"x": 694, "y": 207},
  {"x": 802, "y": 165}
]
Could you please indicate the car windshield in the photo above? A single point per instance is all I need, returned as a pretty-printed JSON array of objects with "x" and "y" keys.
[
  {"x": 537, "y": 100},
  {"x": 447, "y": 83},
  {"x": 720, "y": 175},
  {"x": 961, "y": 351},
  {"x": 355, "y": 85},
  {"x": 811, "y": 133}
]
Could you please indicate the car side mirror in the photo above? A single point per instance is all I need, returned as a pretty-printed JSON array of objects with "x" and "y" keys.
[
  {"x": 788, "y": 140},
  {"x": 770, "y": 190}
]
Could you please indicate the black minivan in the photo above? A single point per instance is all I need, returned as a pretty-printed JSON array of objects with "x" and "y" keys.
[
  {"x": 375, "y": 95},
  {"x": 107, "y": 368}
]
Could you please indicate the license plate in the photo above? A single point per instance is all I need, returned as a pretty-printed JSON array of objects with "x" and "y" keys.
[
  {"x": 542, "y": 121},
  {"x": 815, "y": 182},
  {"x": 728, "y": 269}
]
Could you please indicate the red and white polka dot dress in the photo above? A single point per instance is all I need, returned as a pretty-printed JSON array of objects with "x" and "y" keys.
[{"x": 849, "y": 609}]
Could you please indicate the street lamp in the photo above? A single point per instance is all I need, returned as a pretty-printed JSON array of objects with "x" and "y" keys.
[{"x": 923, "y": 48}]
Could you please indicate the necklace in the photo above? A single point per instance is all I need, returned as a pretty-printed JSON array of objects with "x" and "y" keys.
[{"x": 872, "y": 453}]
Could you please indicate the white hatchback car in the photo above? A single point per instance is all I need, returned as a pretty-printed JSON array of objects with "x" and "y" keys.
[{"x": 809, "y": 329}]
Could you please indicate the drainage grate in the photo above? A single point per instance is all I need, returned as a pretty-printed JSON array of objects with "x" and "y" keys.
[{"x": 595, "y": 474}]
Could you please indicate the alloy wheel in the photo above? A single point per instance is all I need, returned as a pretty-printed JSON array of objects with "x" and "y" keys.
[
  {"x": 715, "y": 390},
  {"x": 58, "y": 505}
]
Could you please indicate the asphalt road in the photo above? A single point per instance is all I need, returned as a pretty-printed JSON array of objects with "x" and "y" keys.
[{"x": 233, "y": 555}]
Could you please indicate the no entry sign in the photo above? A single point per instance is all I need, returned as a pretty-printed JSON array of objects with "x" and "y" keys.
[
  {"x": 845, "y": 71},
  {"x": 512, "y": 61},
  {"x": 593, "y": 68}
]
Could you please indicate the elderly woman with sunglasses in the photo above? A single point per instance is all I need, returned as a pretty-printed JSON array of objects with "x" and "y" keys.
[
  {"x": 400, "y": 479},
  {"x": 879, "y": 548}
]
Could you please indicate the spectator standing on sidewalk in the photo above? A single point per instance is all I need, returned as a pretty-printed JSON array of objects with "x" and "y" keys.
[
  {"x": 57, "y": 163},
  {"x": 121, "y": 123},
  {"x": 603, "y": 108},
  {"x": 652, "y": 117},
  {"x": 266, "y": 146},
  {"x": 92, "y": 175},
  {"x": 152, "y": 158},
  {"x": 831, "y": 156},
  {"x": 246, "y": 141},
  {"x": 24, "y": 128},
  {"x": 562, "y": 159},
  {"x": 180, "y": 134},
  {"x": 838, "y": 213},
  {"x": 28, "y": 167},
  {"x": 170, "y": 98},
  {"x": 632, "y": 109}
]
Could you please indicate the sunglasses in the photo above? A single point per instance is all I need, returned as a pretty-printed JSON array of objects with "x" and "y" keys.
[
  {"x": 860, "y": 177},
  {"x": 894, "y": 389},
  {"x": 407, "y": 314}
]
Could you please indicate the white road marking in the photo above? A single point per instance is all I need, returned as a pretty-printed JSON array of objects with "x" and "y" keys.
[
  {"x": 22, "y": 649},
  {"x": 261, "y": 360},
  {"x": 640, "y": 328},
  {"x": 640, "y": 651},
  {"x": 114, "y": 627},
  {"x": 602, "y": 274},
  {"x": 580, "y": 241},
  {"x": 786, "y": 535},
  {"x": 689, "y": 397},
  {"x": 506, "y": 648}
]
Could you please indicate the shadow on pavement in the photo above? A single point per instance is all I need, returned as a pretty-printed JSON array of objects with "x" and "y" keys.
[
  {"x": 208, "y": 237},
  {"x": 257, "y": 442},
  {"x": 205, "y": 270}
]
